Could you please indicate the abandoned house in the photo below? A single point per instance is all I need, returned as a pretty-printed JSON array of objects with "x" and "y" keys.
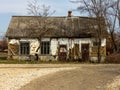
[{"x": 55, "y": 38}]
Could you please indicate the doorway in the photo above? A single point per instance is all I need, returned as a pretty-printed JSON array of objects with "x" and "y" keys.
[
  {"x": 62, "y": 52},
  {"x": 85, "y": 52}
]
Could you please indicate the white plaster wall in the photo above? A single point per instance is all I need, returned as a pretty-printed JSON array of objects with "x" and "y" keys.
[
  {"x": 103, "y": 42},
  {"x": 95, "y": 59},
  {"x": 25, "y": 40},
  {"x": 55, "y": 44},
  {"x": 53, "y": 47},
  {"x": 85, "y": 41},
  {"x": 63, "y": 41},
  {"x": 69, "y": 42},
  {"x": 34, "y": 44},
  {"x": 13, "y": 41},
  {"x": 45, "y": 39}
]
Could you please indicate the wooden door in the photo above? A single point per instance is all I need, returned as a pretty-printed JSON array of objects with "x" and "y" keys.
[
  {"x": 62, "y": 53},
  {"x": 85, "y": 52}
]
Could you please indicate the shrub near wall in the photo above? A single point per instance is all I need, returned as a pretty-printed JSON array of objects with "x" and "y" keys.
[{"x": 113, "y": 58}]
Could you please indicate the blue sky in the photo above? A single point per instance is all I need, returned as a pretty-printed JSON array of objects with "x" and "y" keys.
[{"x": 9, "y": 8}]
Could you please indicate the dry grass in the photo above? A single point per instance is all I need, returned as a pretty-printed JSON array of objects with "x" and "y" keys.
[
  {"x": 3, "y": 55},
  {"x": 113, "y": 58}
]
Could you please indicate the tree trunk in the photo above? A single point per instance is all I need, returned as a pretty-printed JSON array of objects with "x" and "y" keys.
[
  {"x": 113, "y": 42},
  {"x": 99, "y": 38},
  {"x": 99, "y": 51}
]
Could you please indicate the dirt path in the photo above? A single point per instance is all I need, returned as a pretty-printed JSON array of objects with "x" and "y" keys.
[
  {"x": 13, "y": 77},
  {"x": 91, "y": 77}
]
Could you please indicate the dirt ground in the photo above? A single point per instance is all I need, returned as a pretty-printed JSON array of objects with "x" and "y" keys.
[
  {"x": 14, "y": 76},
  {"x": 84, "y": 77}
]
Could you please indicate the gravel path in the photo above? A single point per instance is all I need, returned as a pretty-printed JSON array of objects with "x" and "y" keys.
[
  {"x": 85, "y": 77},
  {"x": 59, "y": 77},
  {"x": 15, "y": 77},
  {"x": 115, "y": 85}
]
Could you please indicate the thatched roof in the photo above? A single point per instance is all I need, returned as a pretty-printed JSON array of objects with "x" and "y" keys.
[{"x": 35, "y": 27}]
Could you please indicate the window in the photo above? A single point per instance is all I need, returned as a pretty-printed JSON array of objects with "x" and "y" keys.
[
  {"x": 95, "y": 43},
  {"x": 24, "y": 48},
  {"x": 45, "y": 47}
]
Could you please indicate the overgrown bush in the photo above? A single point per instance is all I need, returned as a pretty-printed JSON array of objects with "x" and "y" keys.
[{"x": 113, "y": 58}]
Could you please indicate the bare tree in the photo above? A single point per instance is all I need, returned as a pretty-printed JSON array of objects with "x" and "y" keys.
[
  {"x": 113, "y": 21},
  {"x": 34, "y": 8},
  {"x": 98, "y": 9},
  {"x": 118, "y": 41},
  {"x": 118, "y": 11},
  {"x": 41, "y": 19},
  {"x": 111, "y": 24}
]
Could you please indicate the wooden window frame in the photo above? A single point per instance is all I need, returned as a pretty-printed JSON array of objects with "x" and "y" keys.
[
  {"x": 45, "y": 48},
  {"x": 24, "y": 49}
]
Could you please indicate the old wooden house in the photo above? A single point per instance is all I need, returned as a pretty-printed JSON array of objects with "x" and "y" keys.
[{"x": 55, "y": 38}]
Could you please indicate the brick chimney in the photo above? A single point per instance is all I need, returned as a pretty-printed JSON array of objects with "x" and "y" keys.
[{"x": 69, "y": 13}]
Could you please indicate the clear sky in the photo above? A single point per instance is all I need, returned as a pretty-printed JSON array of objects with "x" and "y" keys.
[{"x": 9, "y": 8}]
